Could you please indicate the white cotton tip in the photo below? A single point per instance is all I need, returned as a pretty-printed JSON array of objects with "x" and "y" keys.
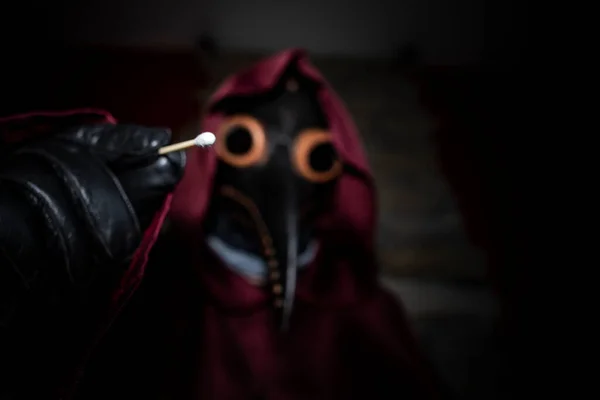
[{"x": 205, "y": 139}]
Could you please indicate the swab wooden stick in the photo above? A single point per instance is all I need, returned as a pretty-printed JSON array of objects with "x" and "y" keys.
[{"x": 204, "y": 139}]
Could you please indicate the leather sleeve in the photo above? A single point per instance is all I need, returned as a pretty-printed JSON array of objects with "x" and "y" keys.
[{"x": 64, "y": 219}]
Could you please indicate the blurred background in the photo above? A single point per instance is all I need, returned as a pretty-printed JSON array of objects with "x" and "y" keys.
[{"x": 433, "y": 86}]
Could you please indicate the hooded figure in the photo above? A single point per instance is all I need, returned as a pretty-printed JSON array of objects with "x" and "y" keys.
[{"x": 264, "y": 285}]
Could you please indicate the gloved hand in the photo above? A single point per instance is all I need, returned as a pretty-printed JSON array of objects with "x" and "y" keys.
[
  {"x": 131, "y": 153},
  {"x": 81, "y": 199},
  {"x": 73, "y": 208}
]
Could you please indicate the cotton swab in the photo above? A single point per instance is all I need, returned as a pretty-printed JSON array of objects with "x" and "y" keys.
[{"x": 205, "y": 139}]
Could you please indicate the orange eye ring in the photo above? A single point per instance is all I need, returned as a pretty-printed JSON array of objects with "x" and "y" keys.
[
  {"x": 306, "y": 142},
  {"x": 258, "y": 145}
]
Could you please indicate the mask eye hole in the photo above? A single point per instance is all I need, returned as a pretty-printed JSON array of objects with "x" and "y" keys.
[
  {"x": 241, "y": 141},
  {"x": 322, "y": 158},
  {"x": 315, "y": 157}
]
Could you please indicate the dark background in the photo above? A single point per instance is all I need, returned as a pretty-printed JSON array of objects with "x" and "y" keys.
[{"x": 439, "y": 89}]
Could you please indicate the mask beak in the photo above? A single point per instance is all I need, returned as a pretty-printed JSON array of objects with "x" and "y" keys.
[{"x": 281, "y": 219}]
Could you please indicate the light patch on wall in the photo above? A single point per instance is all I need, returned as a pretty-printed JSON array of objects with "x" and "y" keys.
[{"x": 445, "y": 32}]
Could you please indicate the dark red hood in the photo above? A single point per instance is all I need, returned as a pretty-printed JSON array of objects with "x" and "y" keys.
[{"x": 354, "y": 214}]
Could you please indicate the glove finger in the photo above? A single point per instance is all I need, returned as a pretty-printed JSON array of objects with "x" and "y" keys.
[
  {"x": 114, "y": 142},
  {"x": 148, "y": 185}
]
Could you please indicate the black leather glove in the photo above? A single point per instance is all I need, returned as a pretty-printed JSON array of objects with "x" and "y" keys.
[
  {"x": 131, "y": 154},
  {"x": 76, "y": 204}
]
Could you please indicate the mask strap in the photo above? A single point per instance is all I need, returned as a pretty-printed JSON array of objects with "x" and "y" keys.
[{"x": 266, "y": 240}]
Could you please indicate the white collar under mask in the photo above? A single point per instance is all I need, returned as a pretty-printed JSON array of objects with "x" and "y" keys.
[{"x": 251, "y": 266}]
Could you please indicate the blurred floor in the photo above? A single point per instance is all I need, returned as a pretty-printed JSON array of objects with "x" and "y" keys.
[{"x": 455, "y": 324}]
